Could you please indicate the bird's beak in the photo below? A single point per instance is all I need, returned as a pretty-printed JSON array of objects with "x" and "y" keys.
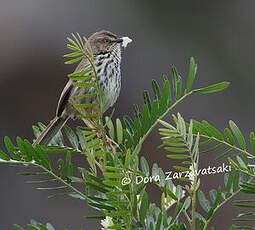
[{"x": 118, "y": 40}]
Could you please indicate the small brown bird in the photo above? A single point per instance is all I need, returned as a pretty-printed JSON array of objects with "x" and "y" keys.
[{"x": 106, "y": 48}]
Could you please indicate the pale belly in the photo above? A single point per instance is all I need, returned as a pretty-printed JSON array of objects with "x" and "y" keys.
[{"x": 111, "y": 92}]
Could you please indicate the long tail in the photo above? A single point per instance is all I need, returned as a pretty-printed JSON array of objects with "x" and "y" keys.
[{"x": 50, "y": 131}]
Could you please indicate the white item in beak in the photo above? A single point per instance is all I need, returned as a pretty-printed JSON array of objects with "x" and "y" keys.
[{"x": 125, "y": 41}]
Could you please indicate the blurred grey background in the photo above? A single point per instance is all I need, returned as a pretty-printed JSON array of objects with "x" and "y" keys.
[{"x": 219, "y": 34}]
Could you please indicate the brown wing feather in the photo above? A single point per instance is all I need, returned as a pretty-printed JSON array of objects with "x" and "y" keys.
[{"x": 63, "y": 100}]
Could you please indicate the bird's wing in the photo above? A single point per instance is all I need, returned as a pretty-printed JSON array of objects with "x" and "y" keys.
[{"x": 63, "y": 100}]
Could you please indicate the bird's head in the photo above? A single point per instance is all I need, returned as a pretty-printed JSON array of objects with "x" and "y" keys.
[{"x": 105, "y": 42}]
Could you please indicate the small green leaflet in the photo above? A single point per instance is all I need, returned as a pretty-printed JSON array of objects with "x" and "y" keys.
[
  {"x": 205, "y": 204},
  {"x": 4, "y": 156},
  {"x": 144, "y": 207},
  {"x": 119, "y": 131},
  {"x": 238, "y": 134},
  {"x": 71, "y": 137},
  {"x": 213, "y": 88},
  {"x": 17, "y": 227},
  {"x": 192, "y": 74}
]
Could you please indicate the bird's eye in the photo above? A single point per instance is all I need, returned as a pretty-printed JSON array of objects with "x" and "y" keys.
[{"x": 106, "y": 40}]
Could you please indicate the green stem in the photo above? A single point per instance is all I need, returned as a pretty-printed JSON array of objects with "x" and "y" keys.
[
  {"x": 50, "y": 173},
  {"x": 187, "y": 217},
  {"x": 62, "y": 181},
  {"x": 100, "y": 103},
  {"x": 194, "y": 162},
  {"x": 160, "y": 118},
  {"x": 229, "y": 145},
  {"x": 220, "y": 205},
  {"x": 194, "y": 196},
  {"x": 194, "y": 191}
]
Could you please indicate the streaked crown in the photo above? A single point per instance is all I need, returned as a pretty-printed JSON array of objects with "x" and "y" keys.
[{"x": 103, "y": 42}]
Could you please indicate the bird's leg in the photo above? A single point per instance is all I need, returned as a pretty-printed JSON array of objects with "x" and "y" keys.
[
  {"x": 108, "y": 139},
  {"x": 92, "y": 124}
]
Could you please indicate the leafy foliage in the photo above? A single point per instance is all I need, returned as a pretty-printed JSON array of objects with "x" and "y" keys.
[
  {"x": 179, "y": 140},
  {"x": 112, "y": 146},
  {"x": 34, "y": 225},
  {"x": 232, "y": 139}
]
